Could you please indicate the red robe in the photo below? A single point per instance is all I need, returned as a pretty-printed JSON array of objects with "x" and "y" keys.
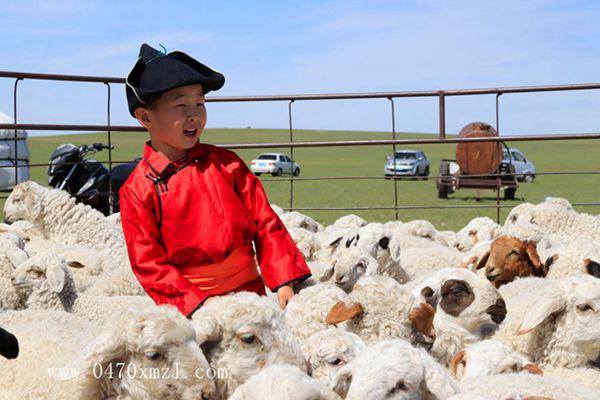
[{"x": 186, "y": 218}]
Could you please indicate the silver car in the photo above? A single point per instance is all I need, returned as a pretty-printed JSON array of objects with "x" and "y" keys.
[
  {"x": 524, "y": 169},
  {"x": 407, "y": 163},
  {"x": 275, "y": 164}
]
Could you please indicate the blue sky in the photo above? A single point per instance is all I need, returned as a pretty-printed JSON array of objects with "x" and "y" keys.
[{"x": 280, "y": 47}]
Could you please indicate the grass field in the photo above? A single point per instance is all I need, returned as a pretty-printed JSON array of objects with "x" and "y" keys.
[{"x": 582, "y": 155}]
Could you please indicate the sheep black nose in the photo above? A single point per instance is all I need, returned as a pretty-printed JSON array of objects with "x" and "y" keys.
[{"x": 497, "y": 311}]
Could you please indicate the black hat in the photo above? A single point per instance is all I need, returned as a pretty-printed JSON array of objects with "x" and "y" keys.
[{"x": 156, "y": 72}]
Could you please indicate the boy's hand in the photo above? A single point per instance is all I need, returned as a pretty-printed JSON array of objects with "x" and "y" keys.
[{"x": 284, "y": 294}]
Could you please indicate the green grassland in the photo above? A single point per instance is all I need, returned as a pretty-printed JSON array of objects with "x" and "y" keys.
[{"x": 582, "y": 155}]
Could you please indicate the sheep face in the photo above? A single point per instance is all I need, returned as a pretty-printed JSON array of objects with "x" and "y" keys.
[
  {"x": 350, "y": 265},
  {"x": 509, "y": 258},
  {"x": 393, "y": 369},
  {"x": 478, "y": 230},
  {"x": 575, "y": 307},
  {"x": 462, "y": 300},
  {"x": 375, "y": 240},
  {"x": 153, "y": 354},
  {"x": 244, "y": 333},
  {"x": 42, "y": 271},
  {"x": 24, "y": 202},
  {"x": 328, "y": 351},
  {"x": 490, "y": 357}
]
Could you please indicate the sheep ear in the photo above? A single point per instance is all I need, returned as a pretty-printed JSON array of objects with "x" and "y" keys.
[
  {"x": 421, "y": 318},
  {"x": 342, "y": 380},
  {"x": 207, "y": 329},
  {"x": 483, "y": 260},
  {"x": 17, "y": 257},
  {"x": 459, "y": 359},
  {"x": 550, "y": 260},
  {"x": 107, "y": 348},
  {"x": 56, "y": 279},
  {"x": 9, "y": 345},
  {"x": 335, "y": 242},
  {"x": 395, "y": 249},
  {"x": 542, "y": 309},
  {"x": 341, "y": 312},
  {"x": 533, "y": 369},
  {"x": 534, "y": 259}
]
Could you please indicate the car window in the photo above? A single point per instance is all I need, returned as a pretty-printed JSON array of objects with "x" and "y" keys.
[
  {"x": 288, "y": 159},
  {"x": 517, "y": 156},
  {"x": 267, "y": 157},
  {"x": 282, "y": 158},
  {"x": 406, "y": 156}
]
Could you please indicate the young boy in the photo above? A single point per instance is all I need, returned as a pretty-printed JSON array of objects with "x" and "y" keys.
[{"x": 191, "y": 211}]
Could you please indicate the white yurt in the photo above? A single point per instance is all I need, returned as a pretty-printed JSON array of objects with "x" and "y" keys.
[{"x": 14, "y": 160}]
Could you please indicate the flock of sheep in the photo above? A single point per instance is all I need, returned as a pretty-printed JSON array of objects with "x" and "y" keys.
[{"x": 392, "y": 311}]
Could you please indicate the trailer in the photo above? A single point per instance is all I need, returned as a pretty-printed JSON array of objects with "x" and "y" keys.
[{"x": 478, "y": 165}]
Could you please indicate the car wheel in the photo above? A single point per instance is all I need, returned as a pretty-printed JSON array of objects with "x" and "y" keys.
[
  {"x": 297, "y": 172},
  {"x": 257, "y": 174},
  {"x": 509, "y": 193},
  {"x": 279, "y": 172},
  {"x": 426, "y": 174},
  {"x": 529, "y": 178}
]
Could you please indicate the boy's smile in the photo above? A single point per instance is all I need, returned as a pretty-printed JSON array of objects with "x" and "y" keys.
[{"x": 175, "y": 120}]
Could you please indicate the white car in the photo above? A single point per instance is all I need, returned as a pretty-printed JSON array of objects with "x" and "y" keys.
[
  {"x": 275, "y": 164},
  {"x": 524, "y": 168}
]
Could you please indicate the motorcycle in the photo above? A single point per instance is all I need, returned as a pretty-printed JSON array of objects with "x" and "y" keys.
[{"x": 87, "y": 179}]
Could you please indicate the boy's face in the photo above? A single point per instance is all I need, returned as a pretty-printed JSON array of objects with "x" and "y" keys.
[{"x": 176, "y": 119}]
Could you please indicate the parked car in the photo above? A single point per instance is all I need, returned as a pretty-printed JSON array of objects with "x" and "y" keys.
[
  {"x": 524, "y": 169},
  {"x": 408, "y": 163},
  {"x": 275, "y": 164}
]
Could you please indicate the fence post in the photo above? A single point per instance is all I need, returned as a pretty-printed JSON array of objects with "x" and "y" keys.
[
  {"x": 292, "y": 155},
  {"x": 442, "y": 102},
  {"x": 394, "y": 158},
  {"x": 15, "y": 134},
  {"x": 111, "y": 201}
]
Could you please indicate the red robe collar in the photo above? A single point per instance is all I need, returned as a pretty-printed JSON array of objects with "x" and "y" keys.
[{"x": 159, "y": 162}]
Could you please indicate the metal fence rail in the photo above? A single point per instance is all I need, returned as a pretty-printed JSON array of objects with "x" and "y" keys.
[{"x": 291, "y": 144}]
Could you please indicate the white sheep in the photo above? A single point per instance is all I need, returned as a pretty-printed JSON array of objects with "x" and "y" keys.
[
  {"x": 490, "y": 357},
  {"x": 306, "y": 312},
  {"x": 283, "y": 382},
  {"x": 416, "y": 233},
  {"x": 378, "y": 242},
  {"x": 350, "y": 221},
  {"x": 553, "y": 216},
  {"x": 244, "y": 333},
  {"x": 468, "y": 309},
  {"x": 554, "y": 322},
  {"x": 568, "y": 257},
  {"x": 477, "y": 230},
  {"x": 393, "y": 369},
  {"x": 352, "y": 263},
  {"x": 60, "y": 218},
  {"x": 522, "y": 385},
  {"x": 380, "y": 308},
  {"x": 424, "y": 260},
  {"x": 306, "y": 242},
  {"x": 45, "y": 282},
  {"x": 329, "y": 350},
  {"x": 141, "y": 354},
  {"x": 294, "y": 219}
]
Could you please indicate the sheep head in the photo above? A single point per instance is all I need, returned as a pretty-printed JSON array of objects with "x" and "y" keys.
[
  {"x": 329, "y": 350},
  {"x": 569, "y": 312},
  {"x": 244, "y": 333},
  {"x": 24, "y": 202},
  {"x": 393, "y": 369},
  {"x": 490, "y": 357},
  {"x": 462, "y": 300},
  {"x": 509, "y": 258},
  {"x": 147, "y": 353},
  {"x": 349, "y": 265}
]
